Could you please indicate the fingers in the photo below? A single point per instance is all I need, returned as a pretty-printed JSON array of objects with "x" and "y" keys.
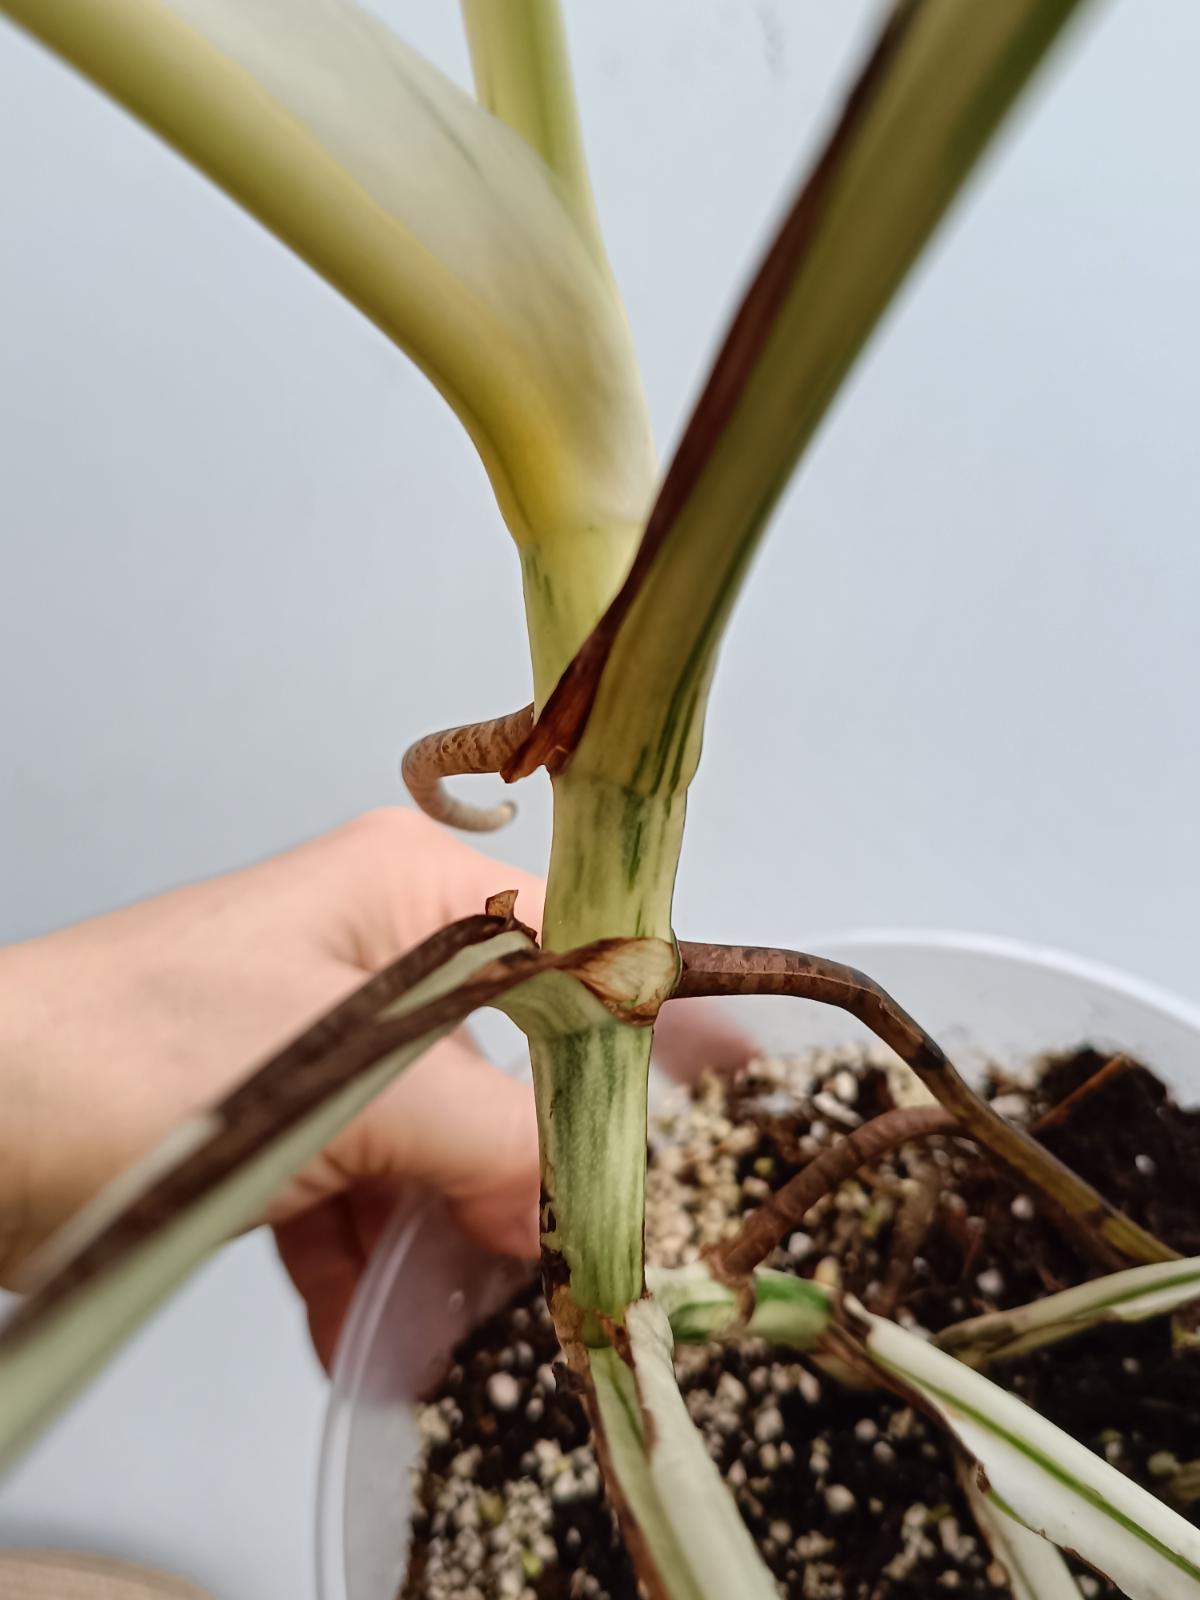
[
  {"x": 467, "y": 878},
  {"x": 453, "y": 1122},
  {"x": 325, "y": 1255},
  {"x": 393, "y": 877},
  {"x": 458, "y": 1124},
  {"x": 696, "y": 1036}
]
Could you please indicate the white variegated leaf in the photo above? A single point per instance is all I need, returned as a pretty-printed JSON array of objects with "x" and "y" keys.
[
  {"x": 1038, "y": 1475},
  {"x": 1130, "y": 1296},
  {"x": 431, "y": 215}
]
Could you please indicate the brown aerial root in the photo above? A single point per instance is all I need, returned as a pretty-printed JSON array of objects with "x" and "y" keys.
[
  {"x": 786, "y": 1209},
  {"x": 1105, "y": 1234},
  {"x": 476, "y": 747}
]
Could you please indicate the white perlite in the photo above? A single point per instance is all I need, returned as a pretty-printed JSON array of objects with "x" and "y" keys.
[{"x": 504, "y": 1391}]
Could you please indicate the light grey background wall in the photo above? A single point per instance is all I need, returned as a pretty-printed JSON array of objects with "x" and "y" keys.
[{"x": 245, "y": 554}]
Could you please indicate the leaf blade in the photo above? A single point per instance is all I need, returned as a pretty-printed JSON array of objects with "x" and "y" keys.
[
  {"x": 433, "y": 218},
  {"x": 694, "y": 1497},
  {"x": 1131, "y": 1296},
  {"x": 686, "y": 1534},
  {"x": 1036, "y": 1570},
  {"x": 1040, "y": 1476},
  {"x": 209, "y": 1179},
  {"x": 212, "y": 1178},
  {"x": 937, "y": 85}
]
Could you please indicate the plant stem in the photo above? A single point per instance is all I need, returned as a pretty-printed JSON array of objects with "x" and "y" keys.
[
  {"x": 612, "y": 861},
  {"x": 618, "y": 1435},
  {"x": 612, "y": 866},
  {"x": 590, "y": 1090},
  {"x": 567, "y": 581},
  {"x": 783, "y": 1310},
  {"x": 914, "y": 1218},
  {"x": 1097, "y": 1227}
]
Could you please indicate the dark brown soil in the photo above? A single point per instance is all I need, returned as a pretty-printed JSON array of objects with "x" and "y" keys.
[{"x": 848, "y": 1494}]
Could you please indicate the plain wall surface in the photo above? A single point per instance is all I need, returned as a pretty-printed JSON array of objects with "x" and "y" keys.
[{"x": 248, "y": 556}]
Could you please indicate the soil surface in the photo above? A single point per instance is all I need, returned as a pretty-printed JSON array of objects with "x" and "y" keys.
[{"x": 851, "y": 1496}]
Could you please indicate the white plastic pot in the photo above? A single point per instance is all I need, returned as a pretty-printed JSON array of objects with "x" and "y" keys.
[{"x": 984, "y": 1000}]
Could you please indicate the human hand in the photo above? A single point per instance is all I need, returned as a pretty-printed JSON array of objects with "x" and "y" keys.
[{"x": 113, "y": 1031}]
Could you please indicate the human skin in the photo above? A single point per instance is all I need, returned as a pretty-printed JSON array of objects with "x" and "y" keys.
[{"x": 114, "y": 1030}]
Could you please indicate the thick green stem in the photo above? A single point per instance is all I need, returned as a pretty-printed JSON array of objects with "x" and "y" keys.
[
  {"x": 612, "y": 871},
  {"x": 568, "y": 580},
  {"x": 612, "y": 862},
  {"x": 591, "y": 1098},
  {"x": 614, "y": 856}
]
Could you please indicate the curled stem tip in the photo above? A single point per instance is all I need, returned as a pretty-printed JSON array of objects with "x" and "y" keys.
[{"x": 476, "y": 747}]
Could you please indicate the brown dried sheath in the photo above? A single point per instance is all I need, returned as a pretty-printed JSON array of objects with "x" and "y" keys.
[
  {"x": 1106, "y": 1234},
  {"x": 473, "y": 748}
]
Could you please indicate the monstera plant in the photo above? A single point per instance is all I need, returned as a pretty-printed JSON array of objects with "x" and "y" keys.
[{"x": 465, "y": 228}]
